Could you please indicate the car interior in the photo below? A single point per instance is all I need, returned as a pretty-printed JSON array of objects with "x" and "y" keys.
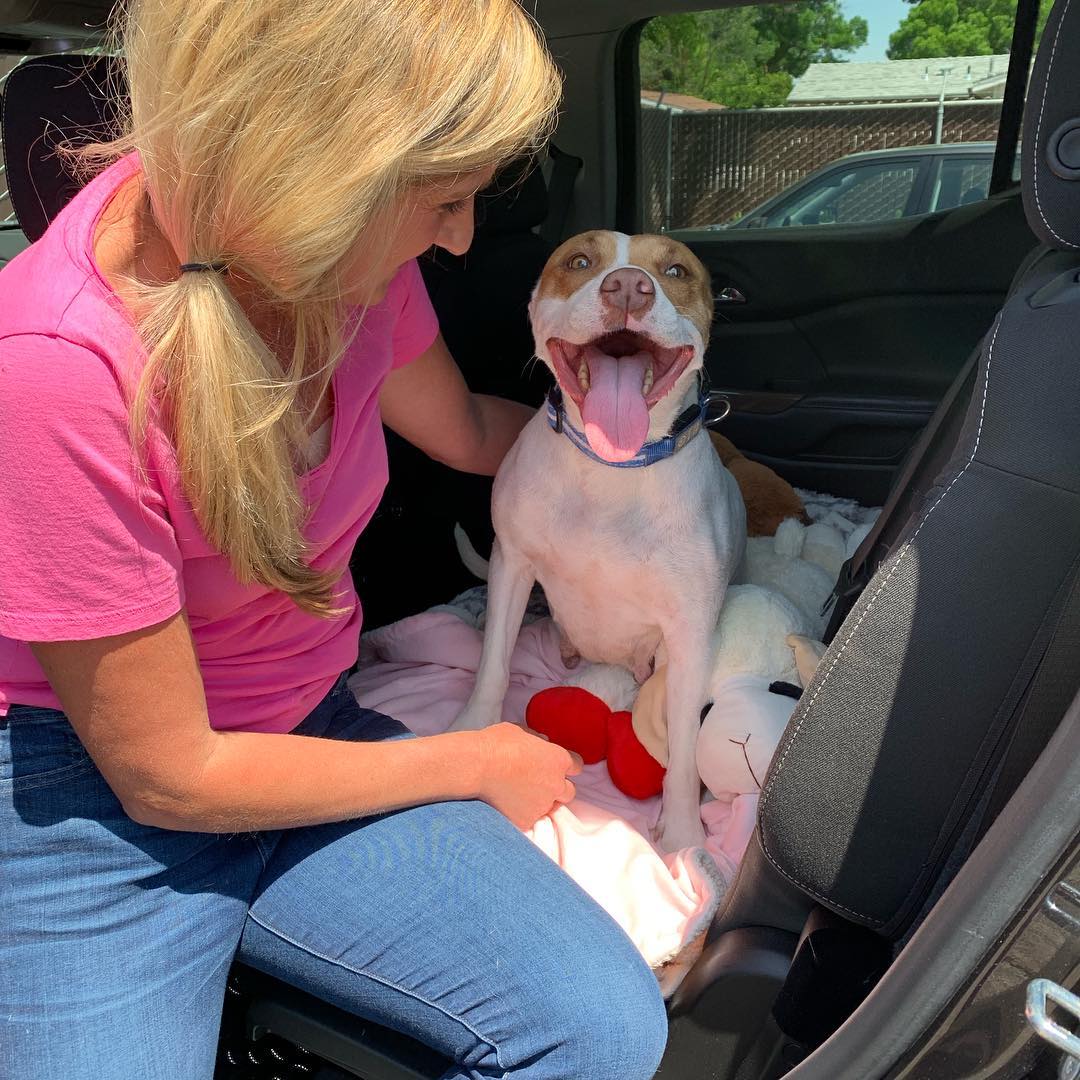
[{"x": 915, "y": 864}]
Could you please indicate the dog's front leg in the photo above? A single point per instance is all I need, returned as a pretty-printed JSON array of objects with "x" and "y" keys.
[
  {"x": 689, "y": 652},
  {"x": 510, "y": 580}
]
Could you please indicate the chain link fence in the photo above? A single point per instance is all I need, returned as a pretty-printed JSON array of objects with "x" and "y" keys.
[{"x": 711, "y": 168}]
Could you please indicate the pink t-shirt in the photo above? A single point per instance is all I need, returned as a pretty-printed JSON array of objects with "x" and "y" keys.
[{"x": 90, "y": 549}]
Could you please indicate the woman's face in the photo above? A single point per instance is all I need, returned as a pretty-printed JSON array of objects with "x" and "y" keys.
[{"x": 439, "y": 215}]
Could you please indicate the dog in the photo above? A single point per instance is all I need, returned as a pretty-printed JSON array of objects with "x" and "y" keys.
[{"x": 613, "y": 497}]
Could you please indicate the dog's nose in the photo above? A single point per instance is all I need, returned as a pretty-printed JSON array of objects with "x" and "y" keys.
[{"x": 628, "y": 290}]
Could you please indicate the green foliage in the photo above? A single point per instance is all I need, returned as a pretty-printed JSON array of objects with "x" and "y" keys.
[
  {"x": 745, "y": 57},
  {"x": 957, "y": 28}
]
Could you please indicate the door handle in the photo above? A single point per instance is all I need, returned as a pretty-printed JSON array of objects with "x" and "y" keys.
[{"x": 1039, "y": 992}]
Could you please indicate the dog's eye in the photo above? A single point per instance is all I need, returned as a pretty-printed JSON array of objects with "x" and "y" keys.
[
  {"x": 578, "y": 262},
  {"x": 676, "y": 270}
]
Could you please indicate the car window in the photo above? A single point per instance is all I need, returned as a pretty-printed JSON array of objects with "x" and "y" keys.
[
  {"x": 960, "y": 181},
  {"x": 851, "y": 196},
  {"x": 743, "y": 106}
]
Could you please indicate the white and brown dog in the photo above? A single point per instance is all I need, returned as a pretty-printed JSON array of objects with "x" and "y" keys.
[{"x": 613, "y": 497}]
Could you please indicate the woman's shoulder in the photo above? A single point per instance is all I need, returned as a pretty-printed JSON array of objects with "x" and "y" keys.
[{"x": 52, "y": 290}]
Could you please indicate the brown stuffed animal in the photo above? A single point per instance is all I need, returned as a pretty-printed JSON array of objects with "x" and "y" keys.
[{"x": 769, "y": 500}]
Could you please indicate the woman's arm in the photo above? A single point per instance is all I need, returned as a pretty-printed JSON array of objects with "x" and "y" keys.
[
  {"x": 428, "y": 403},
  {"x": 136, "y": 701}
]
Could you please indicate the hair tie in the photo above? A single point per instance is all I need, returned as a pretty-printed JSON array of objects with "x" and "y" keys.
[{"x": 194, "y": 267}]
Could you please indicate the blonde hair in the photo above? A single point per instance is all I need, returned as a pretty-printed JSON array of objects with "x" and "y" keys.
[{"x": 273, "y": 136}]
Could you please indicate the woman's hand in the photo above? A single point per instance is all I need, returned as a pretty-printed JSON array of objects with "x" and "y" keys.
[
  {"x": 523, "y": 775},
  {"x": 428, "y": 404}
]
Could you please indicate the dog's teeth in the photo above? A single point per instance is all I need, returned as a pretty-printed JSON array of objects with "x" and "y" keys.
[
  {"x": 646, "y": 383},
  {"x": 583, "y": 376}
]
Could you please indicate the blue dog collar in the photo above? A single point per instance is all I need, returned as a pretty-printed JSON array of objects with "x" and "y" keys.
[{"x": 688, "y": 425}]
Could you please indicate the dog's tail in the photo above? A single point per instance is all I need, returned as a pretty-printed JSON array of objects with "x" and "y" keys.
[{"x": 474, "y": 562}]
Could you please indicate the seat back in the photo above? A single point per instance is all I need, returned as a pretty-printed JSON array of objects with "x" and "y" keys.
[
  {"x": 885, "y": 769},
  {"x": 49, "y": 102}
]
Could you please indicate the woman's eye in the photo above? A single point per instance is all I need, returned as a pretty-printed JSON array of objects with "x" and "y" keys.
[
  {"x": 578, "y": 262},
  {"x": 676, "y": 270},
  {"x": 455, "y": 207}
]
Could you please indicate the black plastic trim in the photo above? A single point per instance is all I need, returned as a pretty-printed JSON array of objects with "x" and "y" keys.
[
  {"x": 359, "y": 1046},
  {"x": 1021, "y": 49},
  {"x": 628, "y": 129}
]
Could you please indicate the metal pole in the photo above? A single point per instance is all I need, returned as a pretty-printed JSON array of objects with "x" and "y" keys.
[
  {"x": 944, "y": 73},
  {"x": 667, "y": 193}
]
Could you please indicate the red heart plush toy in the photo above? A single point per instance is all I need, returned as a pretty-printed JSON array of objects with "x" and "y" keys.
[
  {"x": 573, "y": 718},
  {"x": 581, "y": 722}
]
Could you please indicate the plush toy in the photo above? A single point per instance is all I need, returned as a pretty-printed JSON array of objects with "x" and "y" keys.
[
  {"x": 766, "y": 635},
  {"x": 800, "y": 563},
  {"x": 581, "y": 722},
  {"x": 769, "y": 499},
  {"x": 752, "y": 650}
]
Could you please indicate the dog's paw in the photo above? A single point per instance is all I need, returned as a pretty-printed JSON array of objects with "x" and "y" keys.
[{"x": 675, "y": 833}]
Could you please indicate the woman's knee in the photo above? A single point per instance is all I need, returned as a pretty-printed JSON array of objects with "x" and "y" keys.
[{"x": 615, "y": 1026}]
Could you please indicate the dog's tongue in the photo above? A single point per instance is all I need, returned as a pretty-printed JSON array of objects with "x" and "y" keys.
[{"x": 615, "y": 414}]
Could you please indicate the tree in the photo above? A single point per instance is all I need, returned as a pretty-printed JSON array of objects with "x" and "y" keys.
[
  {"x": 745, "y": 57},
  {"x": 802, "y": 34},
  {"x": 957, "y": 28}
]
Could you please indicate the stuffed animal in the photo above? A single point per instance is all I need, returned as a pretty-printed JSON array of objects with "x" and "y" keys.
[
  {"x": 800, "y": 563},
  {"x": 767, "y": 634},
  {"x": 586, "y": 725},
  {"x": 768, "y": 498},
  {"x": 752, "y": 650}
]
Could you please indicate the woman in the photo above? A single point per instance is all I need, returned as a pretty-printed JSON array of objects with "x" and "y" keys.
[{"x": 193, "y": 364}]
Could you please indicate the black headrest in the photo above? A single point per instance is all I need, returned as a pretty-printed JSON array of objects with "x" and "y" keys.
[
  {"x": 516, "y": 201},
  {"x": 1051, "y": 143},
  {"x": 50, "y": 101}
]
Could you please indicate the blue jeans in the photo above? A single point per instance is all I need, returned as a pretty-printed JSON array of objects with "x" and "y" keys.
[{"x": 441, "y": 921}]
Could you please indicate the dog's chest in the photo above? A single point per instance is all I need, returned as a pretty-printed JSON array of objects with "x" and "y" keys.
[{"x": 619, "y": 552}]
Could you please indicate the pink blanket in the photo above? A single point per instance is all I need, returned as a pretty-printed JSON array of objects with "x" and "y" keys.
[{"x": 421, "y": 671}]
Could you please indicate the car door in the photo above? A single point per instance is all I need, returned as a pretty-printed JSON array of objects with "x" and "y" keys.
[
  {"x": 834, "y": 340},
  {"x": 834, "y": 343}
]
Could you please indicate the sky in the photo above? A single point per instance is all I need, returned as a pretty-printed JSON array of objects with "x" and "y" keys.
[{"x": 882, "y": 17}]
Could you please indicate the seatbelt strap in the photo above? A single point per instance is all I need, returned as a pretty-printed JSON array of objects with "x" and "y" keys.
[
  {"x": 564, "y": 172},
  {"x": 857, "y": 570}
]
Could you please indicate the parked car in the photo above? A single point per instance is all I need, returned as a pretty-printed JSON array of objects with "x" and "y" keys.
[{"x": 881, "y": 185}]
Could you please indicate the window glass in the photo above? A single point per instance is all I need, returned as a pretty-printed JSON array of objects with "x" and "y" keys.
[
  {"x": 741, "y": 105},
  {"x": 852, "y": 196},
  {"x": 960, "y": 181}
]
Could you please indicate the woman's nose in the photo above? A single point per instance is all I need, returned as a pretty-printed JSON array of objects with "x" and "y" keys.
[{"x": 456, "y": 233}]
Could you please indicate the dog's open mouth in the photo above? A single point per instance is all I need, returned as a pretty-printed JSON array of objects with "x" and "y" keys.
[{"x": 615, "y": 380}]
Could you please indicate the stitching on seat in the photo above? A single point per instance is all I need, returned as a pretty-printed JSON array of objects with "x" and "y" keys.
[
  {"x": 836, "y": 659},
  {"x": 382, "y": 982},
  {"x": 1038, "y": 129}
]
